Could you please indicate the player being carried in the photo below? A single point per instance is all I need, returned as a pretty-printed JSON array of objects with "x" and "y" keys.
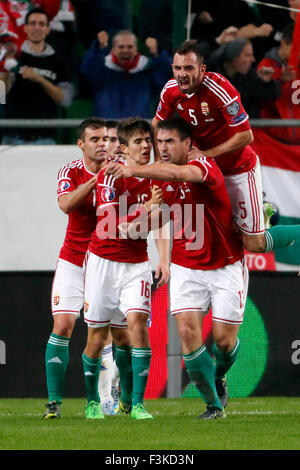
[
  {"x": 207, "y": 260},
  {"x": 118, "y": 280},
  {"x": 212, "y": 107}
]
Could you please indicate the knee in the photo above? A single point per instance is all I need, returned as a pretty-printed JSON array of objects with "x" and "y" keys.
[
  {"x": 187, "y": 335},
  {"x": 255, "y": 243},
  {"x": 121, "y": 337},
  {"x": 139, "y": 334},
  {"x": 63, "y": 325},
  {"x": 225, "y": 344}
]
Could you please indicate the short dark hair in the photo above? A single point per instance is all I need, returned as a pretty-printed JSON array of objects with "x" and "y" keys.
[
  {"x": 177, "y": 124},
  {"x": 127, "y": 128},
  {"x": 111, "y": 124},
  {"x": 92, "y": 123},
  {"x": 288, "y": 33},
  {"x": 190, "y": 46},
  {"x": 36, "y": 10}
]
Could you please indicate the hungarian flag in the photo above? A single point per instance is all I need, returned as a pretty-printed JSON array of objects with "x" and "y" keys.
[{"x": 281, "y": 184}]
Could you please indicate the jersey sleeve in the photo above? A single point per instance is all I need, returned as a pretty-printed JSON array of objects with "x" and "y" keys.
[
  {"x": 166, "y": 105},
  {"x": 212, "y": 174},
  {"x": 66, "y": 180},
  {"x": 228, "y": 102},
  {"x": 109, "y": 190}
]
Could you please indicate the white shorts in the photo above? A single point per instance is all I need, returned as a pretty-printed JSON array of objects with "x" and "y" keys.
[
  {"x": 67, "y": 288},
  {"x": 246, "y": 197},
  {"x": 114, "y": 289},
  {"x": 224, "y": 290}
]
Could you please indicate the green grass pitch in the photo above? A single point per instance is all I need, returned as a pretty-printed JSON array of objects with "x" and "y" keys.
[{"x": 254, "y": 423}]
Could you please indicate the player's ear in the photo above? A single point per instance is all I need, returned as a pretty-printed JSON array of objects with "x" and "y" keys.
[
  {"x": 124, "y": 149},
  {"x": 80, "y": 144}
]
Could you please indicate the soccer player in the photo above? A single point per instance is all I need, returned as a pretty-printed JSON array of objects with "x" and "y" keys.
[
  {"x": 213, "y": 109},
  {"x": 118, "y": 281},
  {"x": 77, "y": 198},
  {"x": 207, "y": 264}
]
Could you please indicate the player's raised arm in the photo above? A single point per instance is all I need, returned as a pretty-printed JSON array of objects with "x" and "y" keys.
[{"x": 158, "y": 171}]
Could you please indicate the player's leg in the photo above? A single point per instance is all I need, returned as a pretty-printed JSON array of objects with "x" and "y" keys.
[
  {"x": 229, "y": 293},
  {"x": 66, "y": 303},
  {"x": 225, "y": 349},
  {"x": 245, "y": 193},
  {"x": 141, "y": 359},
  {"x": 115, "y": 383},
  {"x": 197, "y": 360},
  {"x": 190, "y": 298},
  {"x": 135, "y": 303},
  {"x": 99, "y": 304},
  {"x": 105, "y": 377},
  {"x": 124, "y": 365},
  {"x": 91, "y": 361}
]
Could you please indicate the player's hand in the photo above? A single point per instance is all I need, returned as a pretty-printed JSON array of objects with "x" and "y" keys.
[
  {"x": 194, "y": 153},
  {"x": 117, "y": 170},
  {"x": 152, "y": 45},
  {"x": 102, "y": 37},
  {"x": 162, "y": 273},
  {"x": 131, "y": 230},
  {"x": 157, "y": 196}
]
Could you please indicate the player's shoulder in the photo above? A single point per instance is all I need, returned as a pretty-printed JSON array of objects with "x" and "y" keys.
[
  {"x": 170, "y": 89},
  {"x": 70, "y": 168},
  {"x": 219, "y": 87},
  {"x": 209, "y": 166}
]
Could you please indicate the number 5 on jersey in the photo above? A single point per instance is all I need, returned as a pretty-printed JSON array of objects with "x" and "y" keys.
[{"x": 194, "y": 119}]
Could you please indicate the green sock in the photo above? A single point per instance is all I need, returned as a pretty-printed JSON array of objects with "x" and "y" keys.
[
  {"x": 57, "y": 360},
  {"x": 141, "y": 358},
  {"x": 201, "y": 370},
  {"x": 91, "y": 368},
  {"x": 225, "y": 360},
  {"x": 281, "y": 236},
  {"x": 123, "y": 362}
]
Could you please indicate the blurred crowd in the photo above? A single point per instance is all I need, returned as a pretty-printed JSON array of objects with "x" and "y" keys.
[{"x": 118, "y": 55}]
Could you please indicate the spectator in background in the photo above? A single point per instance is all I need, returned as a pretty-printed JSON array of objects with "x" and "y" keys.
[
  {"x": 212, "y": 17},
  {"x": 38, "y": 84},
  {"x": 234, "y": 61},
  {"x": 123, "y": 81},
  {"x": 283, "y": 107}
]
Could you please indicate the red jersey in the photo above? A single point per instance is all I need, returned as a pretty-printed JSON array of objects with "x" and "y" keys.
[
  {"x": 82, "y": 221},
  {"x": 215, "y": 113},
  {"x": 203, "y": 235},
  {"x": 116, "y": 199}
]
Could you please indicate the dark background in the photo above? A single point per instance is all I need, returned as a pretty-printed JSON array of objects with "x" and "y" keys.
[{"x": 26, "y": 323}]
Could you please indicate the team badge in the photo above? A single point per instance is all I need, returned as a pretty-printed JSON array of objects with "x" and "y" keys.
[
  {"x": 85, "y": 306},
  {"x": 233, "y": 108},
  {"x": 56, "y": 299},
  {"x": 205, "y": 109},
  {"x": 107, "y": 194},
  {"x": 64, "y": 185}
]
